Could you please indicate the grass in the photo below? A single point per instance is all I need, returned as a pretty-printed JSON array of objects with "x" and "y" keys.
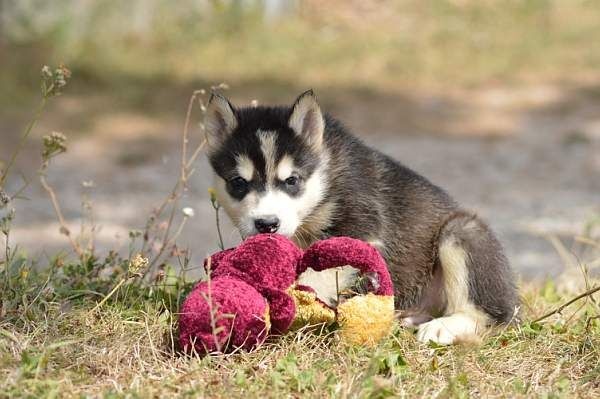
[{"x": 55, "y": 341}]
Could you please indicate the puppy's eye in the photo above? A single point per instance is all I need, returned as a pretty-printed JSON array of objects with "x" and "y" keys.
[
  {"x": 238, "y": 183},
  {"x": 292, "y": 180},
  {"x": 238, "y": 186}
]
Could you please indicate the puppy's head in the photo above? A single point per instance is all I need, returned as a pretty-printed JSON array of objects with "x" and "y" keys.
[{"x": 268, "y": 162}]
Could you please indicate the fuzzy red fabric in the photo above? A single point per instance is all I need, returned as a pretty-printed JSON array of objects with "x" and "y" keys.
[
  {"x": 255, "y": 275},
  {"x": 340, "y": 251},
  {"x": 263, "y": 261},
  {"x": 283, "y": 309},
  {"x": 238, "y": 315}
]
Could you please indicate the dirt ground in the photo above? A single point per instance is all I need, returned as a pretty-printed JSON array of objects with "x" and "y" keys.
[{"x": 527, "y": 159}]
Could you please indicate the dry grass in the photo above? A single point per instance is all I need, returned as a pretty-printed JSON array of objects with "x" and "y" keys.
[{"x": 55, "y": 345}]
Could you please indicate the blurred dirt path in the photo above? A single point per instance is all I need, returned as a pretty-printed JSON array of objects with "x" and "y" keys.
[{"x": 527, "y": 160}]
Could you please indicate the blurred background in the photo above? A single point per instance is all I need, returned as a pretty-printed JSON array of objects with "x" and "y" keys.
[{"x": 498, "y": 101}]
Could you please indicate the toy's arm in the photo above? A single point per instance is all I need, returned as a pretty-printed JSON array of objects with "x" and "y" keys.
[{"x": 341, "y": 251}]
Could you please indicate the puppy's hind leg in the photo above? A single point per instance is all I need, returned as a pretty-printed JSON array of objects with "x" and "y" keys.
[{"x": 477, "y": 282}]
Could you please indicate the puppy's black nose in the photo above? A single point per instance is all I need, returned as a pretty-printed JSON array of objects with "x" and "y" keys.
[{"x": 267, "y": 224}]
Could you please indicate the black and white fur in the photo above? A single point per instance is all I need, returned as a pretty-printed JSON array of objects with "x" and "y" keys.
[{"x": 300, "y": 173}]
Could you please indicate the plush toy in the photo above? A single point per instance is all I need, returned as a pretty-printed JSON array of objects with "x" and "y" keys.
[{"x": 252, "y": 292}]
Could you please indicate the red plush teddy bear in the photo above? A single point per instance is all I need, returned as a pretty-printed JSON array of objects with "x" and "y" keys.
[{"x": 252, "y": 291}]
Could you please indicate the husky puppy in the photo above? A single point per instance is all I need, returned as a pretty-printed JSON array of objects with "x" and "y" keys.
[{"x": 300, "y": 173}]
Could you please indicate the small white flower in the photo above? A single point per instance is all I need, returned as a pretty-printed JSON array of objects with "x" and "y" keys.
[
  {"x": 188, "y": 212},
  {"x": 46, "y": 72}
]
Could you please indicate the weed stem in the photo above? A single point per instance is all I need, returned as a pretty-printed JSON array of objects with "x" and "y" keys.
[
  {"x": 23, "y": 140},
  {"x": 559, "y": 309}
]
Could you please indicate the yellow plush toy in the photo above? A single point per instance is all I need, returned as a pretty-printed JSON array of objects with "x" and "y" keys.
[{"x": 364, "y": 314}]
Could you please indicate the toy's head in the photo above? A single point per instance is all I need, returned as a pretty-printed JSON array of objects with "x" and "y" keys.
[
  {"x": 245, "y": 298},
  {"x": 265, "y": 261}
]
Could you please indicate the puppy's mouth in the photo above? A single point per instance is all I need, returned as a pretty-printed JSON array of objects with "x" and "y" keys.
[{"x": 245, "y": 233}]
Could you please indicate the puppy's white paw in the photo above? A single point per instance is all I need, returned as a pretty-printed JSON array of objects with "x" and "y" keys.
[{"x": 447, "y": 330}]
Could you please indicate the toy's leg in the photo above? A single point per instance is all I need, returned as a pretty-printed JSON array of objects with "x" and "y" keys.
[{"x": 478, "y": 285}]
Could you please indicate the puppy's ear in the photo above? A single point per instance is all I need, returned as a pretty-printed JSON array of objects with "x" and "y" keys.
[
  {"x": 219, "y": 121},
  {"x": 307, "y": 120}
]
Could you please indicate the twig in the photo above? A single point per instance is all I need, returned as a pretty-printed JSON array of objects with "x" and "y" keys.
[
  {"x": 564, "y": 253},
  {"x": 152, "y": 347},
  {"x": 7, "y": 260},
  {"x": 218, "y": 221},
  {"x": 196, "y": 153},
  {"x": 179, "y": 188},
  {"x": 107, "y": 297},
  {"x": 212, "y": 306},
  {"x": 181, "y": 184},
  {"x": 170, "y": 241},
  {"x": 186, "y": 128},
  {"x": 53, "y": 82},
  {"x": 588, "y": 323},
  {"x": 20, "y": 191},
  {"x": 155, "y": 215},
  {"x": 337, "y": 288},
  {"x": 174, "y": 199},
  {"x": 23, "y": 140},
  {"x": 564, "y": 305},
  {"x": 587, "y": 240},
  {"x": 87, "y": 212},
  {"x": 61, "y": 220}
]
